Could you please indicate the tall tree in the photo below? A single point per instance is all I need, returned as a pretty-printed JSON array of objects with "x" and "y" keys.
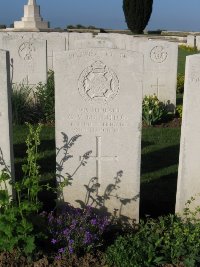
[{"x": 137, "y": 14}]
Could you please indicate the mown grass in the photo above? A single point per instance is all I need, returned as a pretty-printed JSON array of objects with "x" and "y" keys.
[
  {"x": 159, "y": 168},
  {"x": 182, "y": 53}
]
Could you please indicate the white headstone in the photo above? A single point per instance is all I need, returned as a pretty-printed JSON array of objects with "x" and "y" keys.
[
  {"x": 56, "y": 42},
  {"x": 74, "y": 36},
  {"x": 119, "y": 40},
  {"x": 99, "y": 96},
  {"x": 160, "y": 74},
  {"x": 160, "y": 64},
  {"x": 198, "y": 42},
  {"x": 32, "y": 19},
  {"x": 28, "y": 58},
  {"x": 6, "y": 148},
  {"x": 189, "y": 167},
  {"x": 94, "y": 42},
  {"x": 191, "y": 41}
]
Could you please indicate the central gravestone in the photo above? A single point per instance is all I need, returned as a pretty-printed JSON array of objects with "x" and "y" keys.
[
  {"x": 6, "y": 153},
  {"x": 98, "y": 128}
]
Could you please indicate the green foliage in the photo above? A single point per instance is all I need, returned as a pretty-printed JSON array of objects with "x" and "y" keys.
[
  {"x": 168, "y": 240},
  {"x": 137, "y": 14},
  {"x": 34, "y": 106},
  {"x": 153, "y": 110},
  {"x": 188, "y": 48},
  {"x": 16, "y": 228},
  {"x": 23, "y": 106},
  {"x": 180, "y": 83},
  {"x": 45, "y": 97},
  {"x": 179, "y": 111}
]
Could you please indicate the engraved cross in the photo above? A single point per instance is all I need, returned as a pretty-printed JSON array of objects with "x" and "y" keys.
[
  {"x": 158, "y": 86},
  {"x": 99, "y": 158}
]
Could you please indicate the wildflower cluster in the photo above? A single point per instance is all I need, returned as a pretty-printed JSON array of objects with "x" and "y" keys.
[
  {"x": 75, "y": 231},
  {"x": 152, "y": 110}
]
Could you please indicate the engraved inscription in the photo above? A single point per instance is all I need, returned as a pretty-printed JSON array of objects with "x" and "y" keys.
[
  {"x": 26, "y": 50},
  {"x": 195, "y": 75},
  {"x": 98, "y": 83},
  {"x": 97, "y": 120},
  {"x": 99, "y": 158},
  {"x": 158, "y": 54}
]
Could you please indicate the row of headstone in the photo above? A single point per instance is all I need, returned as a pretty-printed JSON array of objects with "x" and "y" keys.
[
  {"x": 193, "y": 41},
  {"x": 32, "y": 55},
  {"x": 98, "y": 121}
]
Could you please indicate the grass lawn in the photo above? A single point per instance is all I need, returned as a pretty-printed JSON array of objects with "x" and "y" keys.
[
  {"x": 182, "y": 53},
  {"x": 160, "y": 149}
]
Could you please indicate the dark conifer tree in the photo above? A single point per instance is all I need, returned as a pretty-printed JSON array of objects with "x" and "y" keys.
[{"x": 137, "y": 14}]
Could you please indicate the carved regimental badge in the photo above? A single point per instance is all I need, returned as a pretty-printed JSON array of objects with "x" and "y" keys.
[
  {"x": 26, "y": 50},
  {"x": 98, "y": 83},
  {"x": 158, "y": 54}
]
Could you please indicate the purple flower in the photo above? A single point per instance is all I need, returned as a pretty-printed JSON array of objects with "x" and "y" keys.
[
  {"x": 66, "y": 231},
  {"x": 94, "y": 221},
  {"x": 53, "y": 241},
  {"x": 87, "y": 238},
  {"x": 71, "y": 250},
  {"x": 61, "y": 250},
  {"x": 71, "y": 241}
]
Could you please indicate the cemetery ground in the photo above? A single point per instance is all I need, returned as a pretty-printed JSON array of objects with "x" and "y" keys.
[{"x": 171, "y": 241}]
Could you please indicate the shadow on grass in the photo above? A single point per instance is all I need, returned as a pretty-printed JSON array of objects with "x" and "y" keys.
[
  {"x": 154, "y": 161},
  {"x": 158, "y": 197},
  {"x": 146, "y": 144}
]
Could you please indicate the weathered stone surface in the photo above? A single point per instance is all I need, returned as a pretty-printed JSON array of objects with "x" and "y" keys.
[
  {"x": 160, "y": 74},
  {"x": 94, "y": 42},
  {"x": 6, "y": 148},
  {"x": 99, "y": 96},
  {"x": 160, "y": 64},
  {"x": 198, "y": 42},
  {"x": 191, "y": 40},
  {"x": 74, "y": 36},
  {"x": 56, "y": 42},
  {"x": 28, "y": 58},
  {"x": 189, "y": 167}
]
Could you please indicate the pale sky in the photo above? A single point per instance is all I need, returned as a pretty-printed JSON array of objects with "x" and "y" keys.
[{"x": 167, "y": 14}]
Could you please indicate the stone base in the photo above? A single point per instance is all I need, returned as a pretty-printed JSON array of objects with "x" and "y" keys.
[{"x": 31, "y": 25}]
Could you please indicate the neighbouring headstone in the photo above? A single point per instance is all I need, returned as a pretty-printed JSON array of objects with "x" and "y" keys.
[
  {"x": 198, "y": 42},
  {"x": 160, "y": 70},
  {"x": 191, "y": 41},
  {"x": 6, "y": 148},
  {"x": 28, "y": 58},
  {"x": 160, "y": 64},
  {"x": 32, "y": 19},
  {"x": 74, "y": 36},
  {"x": 94, "y": 42},
  {"x": 98, "y": 109},
  {"x": 119, "y": 40},
  {"x": 189, "y": 167},
  {"x": 56, "y": 42}
]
